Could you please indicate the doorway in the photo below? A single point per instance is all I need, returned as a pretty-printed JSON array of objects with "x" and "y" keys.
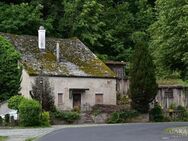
[{"x": 77, "y": 100}]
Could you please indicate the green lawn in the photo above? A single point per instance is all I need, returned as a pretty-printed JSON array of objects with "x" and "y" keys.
[{"x": 3, "y": 138}]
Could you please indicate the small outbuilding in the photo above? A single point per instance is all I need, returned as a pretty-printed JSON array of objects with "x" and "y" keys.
[{"x": 172, "y": 93}]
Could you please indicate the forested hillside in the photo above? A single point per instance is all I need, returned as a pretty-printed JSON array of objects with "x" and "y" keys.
[{"x": 107, "y": 26}]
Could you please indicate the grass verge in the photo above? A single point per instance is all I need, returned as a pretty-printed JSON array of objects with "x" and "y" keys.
[
  {"x": 178, "y": 130},
  {"x": 31, "y": 139},
  {"x": 3, "y": 138}
]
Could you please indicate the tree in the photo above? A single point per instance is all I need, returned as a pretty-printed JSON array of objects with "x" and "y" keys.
[
  {"x": 122, "y": 19},
  {"x": 143, "y": 86},
  {"x": 21, "y": 18},
  {"x": 42, "y": 92},
  {"x": 82, "y": 19},
  {"x": 10, "y": 72},
  {"x": 169, "y": 37}
]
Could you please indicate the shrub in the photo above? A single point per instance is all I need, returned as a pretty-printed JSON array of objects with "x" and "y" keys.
[
  {"x": 45, "y": 121},
  {"x": 14, "y": 102},
  {"x": 30, "y": 112},
  {"x": 182, "y": 113},
  {"x": 58, "y": 114},
  {"x": 172, "y": 106},
  {"x": 123, "y": 116},
  {"x": 70, "y": 117},
  {"x": 123, "y": 100},
  {"x": 156, "y": 114},
  {"x": 76, "y": 109}
]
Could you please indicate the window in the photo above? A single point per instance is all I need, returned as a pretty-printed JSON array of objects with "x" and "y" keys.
[
  {"x": 60, "y": 98},
  {"x": 98, "y": 98},
  {"x": 169, "y": 93}
]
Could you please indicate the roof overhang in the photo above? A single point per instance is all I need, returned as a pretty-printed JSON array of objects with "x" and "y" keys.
[{"x": 77, "y": 91}]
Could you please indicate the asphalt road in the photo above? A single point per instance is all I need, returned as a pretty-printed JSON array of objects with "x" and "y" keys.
[{"x": 125, "y": 132}]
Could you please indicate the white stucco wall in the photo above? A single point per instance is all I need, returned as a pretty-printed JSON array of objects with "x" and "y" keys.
[
  {"x": 26, "y": 84},
  {"x": 62, "y": 85}
]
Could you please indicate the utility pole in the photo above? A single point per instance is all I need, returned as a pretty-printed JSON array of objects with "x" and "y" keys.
[{"x": 42, "y": 46}]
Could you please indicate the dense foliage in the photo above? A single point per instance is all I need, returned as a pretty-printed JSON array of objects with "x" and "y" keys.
[
  {"x": 169, "y": 37},
  {"x": 14, "y": 102},
  {"x": 30, "y": 113},
  {"x": 42, "y": 92},
  {"x": 45, "y": 120},
  {"x": 10, "y": 73},
  {"x": 156, "y": 114},
  {"x": 105, "y": 26},
  {"x": 143, "y": 86},
  {"x": 122, "y": 116},
  {"x": 67, "y": 116}
]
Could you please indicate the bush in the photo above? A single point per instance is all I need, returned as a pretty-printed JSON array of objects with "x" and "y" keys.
[
  {"x": 122, "y": 117},
  {"x": 182, "y": 113},
  {"x": 58, "y": 114},
  {"x": 45, "y": 121},
  {"x": 70, "y": 117},
  {"x": 76, "y": 109},
  {"x": 30, "y": 112},
  {"x": 156, "y": 114},
  {"x": 14, "y": 102},
  {"x": 123, "y": 100}
]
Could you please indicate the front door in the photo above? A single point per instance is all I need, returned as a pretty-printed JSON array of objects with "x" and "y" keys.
[{"x": 76, "y": 100}]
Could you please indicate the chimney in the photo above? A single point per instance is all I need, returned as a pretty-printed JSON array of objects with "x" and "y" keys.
[
  {"x": 57, "y": 52},
  {"x": 41, "y": 38}
]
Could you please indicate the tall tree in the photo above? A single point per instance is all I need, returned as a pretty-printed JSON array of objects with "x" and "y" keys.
[
  {"x": 10, "y": 73},
  {"x": 82, "y": 19},
  {"x": 21, "y": 18},
  {"x": 143, "y": 86},
  {"x": 169, "y": 36},
  {"x": 122, "y": 19},
  {"x": 42, "y": 92}
]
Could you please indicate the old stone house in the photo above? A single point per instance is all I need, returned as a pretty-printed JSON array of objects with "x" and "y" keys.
[{"x": 77, "y": 76}]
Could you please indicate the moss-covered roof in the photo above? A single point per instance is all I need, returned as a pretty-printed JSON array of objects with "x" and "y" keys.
[
  {"x": 172, "y": 83},
  {"x": 75, "y": 58}
]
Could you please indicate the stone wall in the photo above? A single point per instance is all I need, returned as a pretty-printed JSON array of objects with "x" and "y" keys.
[{"x": 104, "y": 86}]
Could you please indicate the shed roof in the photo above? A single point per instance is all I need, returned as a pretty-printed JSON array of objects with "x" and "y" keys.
[
  {"x": 75, "y": 58},
  {"x": 172, "y": 83},
  {"x": 122, "y": 63}
]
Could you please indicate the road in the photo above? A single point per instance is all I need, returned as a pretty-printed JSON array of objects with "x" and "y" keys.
[{"x": 125, "y": 132}]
